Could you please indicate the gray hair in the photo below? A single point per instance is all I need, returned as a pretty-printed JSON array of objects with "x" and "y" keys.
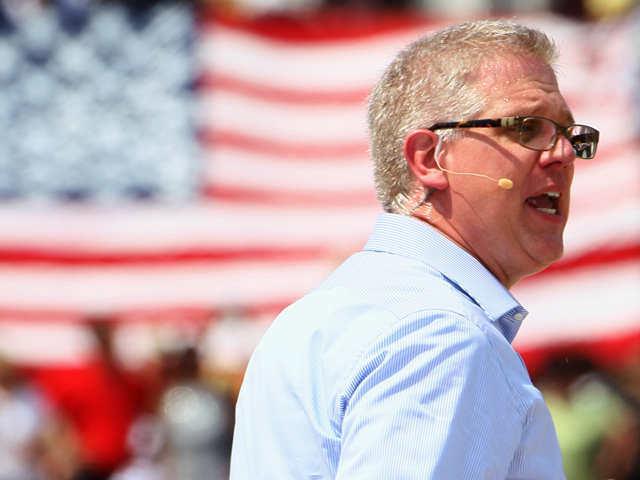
[{"x": 434, "y": 80}]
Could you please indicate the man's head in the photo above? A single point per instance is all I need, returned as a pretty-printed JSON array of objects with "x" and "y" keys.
[
  {"x": 433, "y": 80},
  {"x": 479, "y": 70}
]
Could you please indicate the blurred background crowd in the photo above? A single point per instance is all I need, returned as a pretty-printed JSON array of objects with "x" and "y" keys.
[{"x": 173, "y": 173}]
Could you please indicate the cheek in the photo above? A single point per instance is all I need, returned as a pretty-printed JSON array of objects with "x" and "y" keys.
[
  {"x": 567, "y": 194},
  {"x": 571, "y": 170},
  {"x": 474, "y": 157}
]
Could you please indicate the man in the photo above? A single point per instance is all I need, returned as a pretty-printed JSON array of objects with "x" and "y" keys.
[{"x": 399, "y": 365}]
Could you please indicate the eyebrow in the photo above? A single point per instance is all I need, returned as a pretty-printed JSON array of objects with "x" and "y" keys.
[
  {"x": 539, "y": 110},
  {"x": 567, "y": 115}
]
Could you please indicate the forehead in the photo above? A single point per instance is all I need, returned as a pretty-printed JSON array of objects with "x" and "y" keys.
[{"x": 519, "y": 86}]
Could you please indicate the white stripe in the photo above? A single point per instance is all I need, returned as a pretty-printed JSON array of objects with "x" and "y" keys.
[
  {"x": 226, "y": 344},
  {"x": 45, "y": 343},
  {"x": 602, "y": 182},
  {"x": 125, "y": 287},
  {"x": 612, "y": 227},
  {"x": 605, "y": 204},
  {"x": 160, "y": 228},
  {"x": 296, "y": 124},
  {"x": 231, "y": 167},
  {"x": 583, "y": 305},
  {"x": 330, "y": 65}
]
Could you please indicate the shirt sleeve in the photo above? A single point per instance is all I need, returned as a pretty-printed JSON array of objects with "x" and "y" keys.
[{"x": 429, "y": 400}]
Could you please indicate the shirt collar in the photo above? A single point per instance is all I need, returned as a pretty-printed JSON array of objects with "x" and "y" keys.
[{"x": 406, "y": 236}]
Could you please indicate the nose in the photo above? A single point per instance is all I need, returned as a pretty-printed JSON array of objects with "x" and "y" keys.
[{"x": 562, "y": 153}]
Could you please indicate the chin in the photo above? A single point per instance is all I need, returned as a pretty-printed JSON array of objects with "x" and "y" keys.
[{"x": 547, "y": 253}]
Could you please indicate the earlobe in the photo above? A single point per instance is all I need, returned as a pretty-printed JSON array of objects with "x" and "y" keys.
[{"x": 419, "y": 149}]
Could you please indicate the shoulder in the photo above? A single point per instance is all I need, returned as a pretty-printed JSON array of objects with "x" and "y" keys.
[
  {"x": 401, "y": 285},
  {"x": 432, "y": 337},
  {"x": 378, "y": 304}
]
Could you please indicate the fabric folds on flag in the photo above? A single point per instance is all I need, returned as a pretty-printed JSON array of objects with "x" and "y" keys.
[{"x": 287, "y": 195}]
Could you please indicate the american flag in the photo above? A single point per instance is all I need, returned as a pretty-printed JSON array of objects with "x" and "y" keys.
[{"x": 287, "y": 195}]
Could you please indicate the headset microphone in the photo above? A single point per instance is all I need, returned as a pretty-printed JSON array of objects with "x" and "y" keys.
[
  {"x": 502, "y": 183},
  {"x": 505, "y": 183}
]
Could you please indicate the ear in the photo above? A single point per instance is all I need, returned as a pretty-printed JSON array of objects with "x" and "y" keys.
[{"x": 419, "y": 148}]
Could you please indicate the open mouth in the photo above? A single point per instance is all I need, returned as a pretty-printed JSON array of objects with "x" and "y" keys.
[{"x": 547, "y": 202}]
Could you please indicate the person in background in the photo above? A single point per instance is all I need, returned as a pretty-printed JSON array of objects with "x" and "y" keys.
[
  {"x": 23, "y": 412},
  {"x": 97, "y": 403},
  {"x": 198, "y": 421},
  {"x": 400, "y": 365},
  {"x": 587, "y": 413}
]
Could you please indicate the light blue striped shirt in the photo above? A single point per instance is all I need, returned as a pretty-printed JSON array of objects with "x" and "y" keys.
[{"x": 398, "y": 366}]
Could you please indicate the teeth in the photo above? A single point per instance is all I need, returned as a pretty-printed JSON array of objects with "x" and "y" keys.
[
  {"x": 551, "y": 211},
  {"x": 553, "y": 194}
]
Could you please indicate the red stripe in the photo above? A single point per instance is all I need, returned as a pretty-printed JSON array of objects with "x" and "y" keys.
[
  {"x": 152, "y": 314},
  {"x": 23, "y": 256},
  {"x": 283, "y": 95},
  {"x": 41, "y": 315},
  {"x": 214, "y": 138},
  {"x": 608, "y": 353},
  {"x": 602, "y": 256},
  {"x": 325, "y": 26},
  {"x": 291, "y": 198}
]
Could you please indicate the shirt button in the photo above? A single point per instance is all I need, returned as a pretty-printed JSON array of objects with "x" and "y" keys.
[{"x": 519, "y": 316}]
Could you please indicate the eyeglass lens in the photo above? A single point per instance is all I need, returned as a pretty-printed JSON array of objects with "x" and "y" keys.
[
  {"x": 541, "y": 134},
  {"x": 583, "y": 140}
]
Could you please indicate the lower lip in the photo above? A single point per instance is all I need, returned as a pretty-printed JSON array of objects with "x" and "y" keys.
[{"x": 557, "y": 218}]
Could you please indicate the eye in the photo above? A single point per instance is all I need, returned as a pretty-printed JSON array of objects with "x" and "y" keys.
[{"x": 531, "y": 127}]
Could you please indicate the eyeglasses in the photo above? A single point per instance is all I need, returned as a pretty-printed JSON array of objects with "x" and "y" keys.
[{"x": 538, "y": 133}]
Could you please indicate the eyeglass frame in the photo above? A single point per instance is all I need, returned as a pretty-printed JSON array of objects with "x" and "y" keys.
[{"x": 518, "y": 122}]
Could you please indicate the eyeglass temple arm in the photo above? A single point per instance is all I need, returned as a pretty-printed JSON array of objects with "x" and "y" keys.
[{"x": 485, "y": 122}]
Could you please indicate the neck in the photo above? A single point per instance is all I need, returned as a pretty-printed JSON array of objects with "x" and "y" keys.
[{"x": 429, "y": 214}]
